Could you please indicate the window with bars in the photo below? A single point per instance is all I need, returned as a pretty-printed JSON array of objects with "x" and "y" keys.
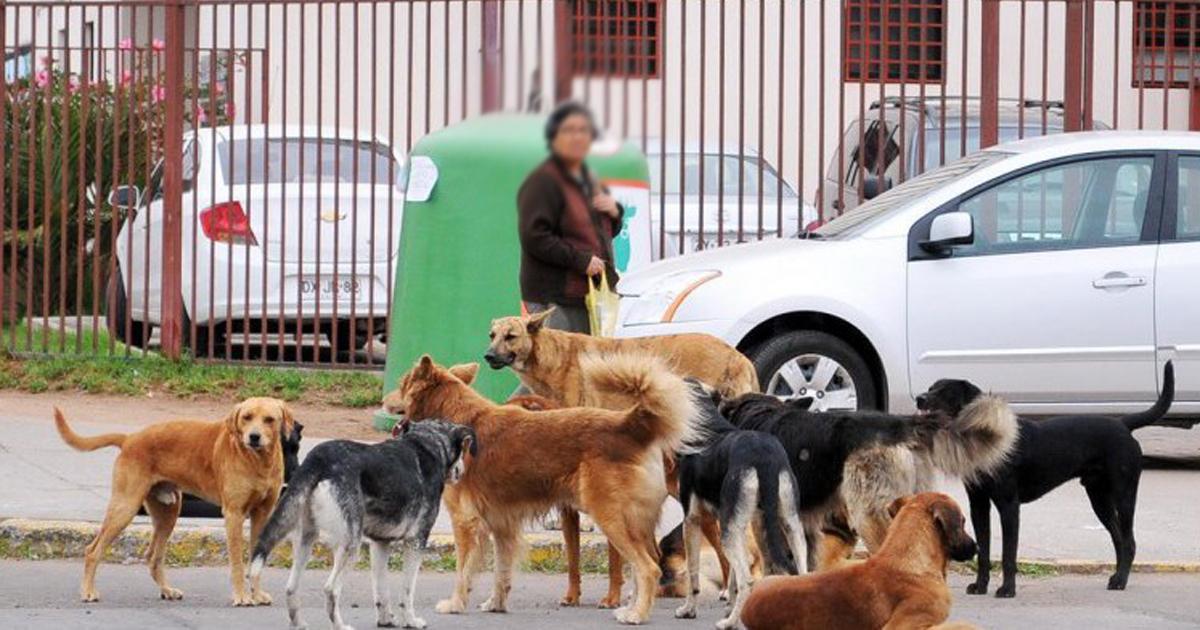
[
  {"x": 894, "y": 41},
  {"x": 1166, "y": 43},
  {"x": 616, "y": 38}
]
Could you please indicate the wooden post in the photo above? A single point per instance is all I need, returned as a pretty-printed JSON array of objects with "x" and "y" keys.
[
  {"x": 989, "y": 77},
  {"x": 172, "y": 263}
]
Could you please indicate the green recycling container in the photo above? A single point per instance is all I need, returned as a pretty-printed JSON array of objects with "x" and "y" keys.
[{"x": 459, "y": 255}]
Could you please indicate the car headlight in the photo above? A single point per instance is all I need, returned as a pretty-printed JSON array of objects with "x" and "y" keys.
[{"x": 659, "y": 303}]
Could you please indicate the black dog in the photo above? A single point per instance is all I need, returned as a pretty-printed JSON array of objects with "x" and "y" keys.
[
  {"x": 1100, "y": 451},
  {"x": 346, "y": 491},
  {"x": 738, "y": 475}
]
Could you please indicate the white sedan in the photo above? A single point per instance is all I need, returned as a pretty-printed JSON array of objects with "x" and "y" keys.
[
  {"x": 1059, "y": 272},
  {"x": 290, "y": 224}
]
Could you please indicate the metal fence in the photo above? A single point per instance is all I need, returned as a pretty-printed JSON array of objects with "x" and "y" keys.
[{"x": 227, "y": 177}]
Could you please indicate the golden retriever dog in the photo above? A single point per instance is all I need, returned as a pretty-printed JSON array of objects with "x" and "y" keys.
[
  {"x": 903, "y": 585},
  {"x": 236, "y": 463},
  {"x": 548, "y": 363},
  {"x": 603, "y": 462}
]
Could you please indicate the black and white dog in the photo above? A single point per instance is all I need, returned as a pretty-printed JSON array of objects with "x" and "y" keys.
[
  {"x": 1100, "y": 451},
  {"x": 387, "y": 492},
  {"x": 744, "y": 478}
]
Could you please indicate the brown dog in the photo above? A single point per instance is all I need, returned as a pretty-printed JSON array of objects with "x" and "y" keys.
[
  {"x": 606, "y": 463},
  {"x": 236, "y": 463},
  {"x": 548, "y": 363},
  {"x": 902, "y": 586}
]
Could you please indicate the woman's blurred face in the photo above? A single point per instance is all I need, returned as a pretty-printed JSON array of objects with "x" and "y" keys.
[{"x": 573, "y": 140}]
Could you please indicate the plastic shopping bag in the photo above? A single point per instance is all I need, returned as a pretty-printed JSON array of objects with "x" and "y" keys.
[{"x": 602, "y": 305}]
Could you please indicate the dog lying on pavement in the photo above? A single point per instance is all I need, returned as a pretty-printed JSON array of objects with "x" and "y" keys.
[
  {"x": 903, "y": 585},
  {"x": 1100, "y": 451},
  {"x": 386, "y": 493},
  {"x": 236, "y": 463}
]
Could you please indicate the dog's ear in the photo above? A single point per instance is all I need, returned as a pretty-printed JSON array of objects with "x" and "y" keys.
[
  {"x": 895, "y": 506},
  {"x": 289, "y": 421},
  {"x": 947, "y": 516},
  {"x": 465, "y": 372},
  {"x": 424, "y": 367},
  {"x": 537, "y": 320},
  {"x": 465, "y": 437},
  {"x": 231, "y": 420}
]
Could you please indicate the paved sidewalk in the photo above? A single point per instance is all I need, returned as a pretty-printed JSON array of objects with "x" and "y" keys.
[{"x": 45, "y": 479}]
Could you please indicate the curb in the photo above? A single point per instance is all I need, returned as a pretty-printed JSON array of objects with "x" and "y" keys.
[{"x": 26, "y": 539}]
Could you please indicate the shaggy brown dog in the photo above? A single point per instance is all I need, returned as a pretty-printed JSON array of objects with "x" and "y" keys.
[
  {"x": 902, "y": 586},
  {"x": 606, "y": 463},
  {"x": 236, "y": 463},
  {"x": 548, "y": 363}
]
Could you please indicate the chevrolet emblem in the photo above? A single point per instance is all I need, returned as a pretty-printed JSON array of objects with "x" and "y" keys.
[{"x": 332, "y": 216}]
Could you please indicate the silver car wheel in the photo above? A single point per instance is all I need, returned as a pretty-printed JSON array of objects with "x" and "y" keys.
[{"x": 818, "y": 377}]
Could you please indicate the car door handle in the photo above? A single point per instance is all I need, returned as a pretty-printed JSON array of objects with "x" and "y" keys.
[{"x": 1117, "y": 280}]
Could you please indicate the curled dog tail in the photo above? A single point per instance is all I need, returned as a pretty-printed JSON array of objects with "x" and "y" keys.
[
  {"x": 1161, "y": 406},
  {"x": 284, "y": 517},
  {"x": 768, "y": 502},
  {"x": 661, "y": 410},
  {"x": 978, "y": 441},
  {"x": 80, "y": 443}
]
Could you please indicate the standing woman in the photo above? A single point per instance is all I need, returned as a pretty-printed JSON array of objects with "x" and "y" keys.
[{"x": 566, "y": 223}]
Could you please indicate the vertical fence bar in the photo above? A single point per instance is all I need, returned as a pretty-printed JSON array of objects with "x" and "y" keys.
[
  {"x": 563, "y": 41},
  {"x": 4, "y": 202},
  {"x": 492, "y": 99},
  {"x": 989, "y": 77},
  {"x": 682, "y": 127},
  {"x": 172, "y": 267},
  {"x": 1089, "y": 61},
  {"x": 1073, "y": 66}
]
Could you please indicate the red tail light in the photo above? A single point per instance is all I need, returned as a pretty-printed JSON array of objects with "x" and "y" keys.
[{"x": 227, "y": 223}]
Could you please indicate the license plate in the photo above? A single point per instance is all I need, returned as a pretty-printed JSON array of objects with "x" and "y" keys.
[{"x": 329, "y": 287}]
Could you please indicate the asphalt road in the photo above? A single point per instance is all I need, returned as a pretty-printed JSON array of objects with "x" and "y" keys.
[{"x": 43, "y": 595}]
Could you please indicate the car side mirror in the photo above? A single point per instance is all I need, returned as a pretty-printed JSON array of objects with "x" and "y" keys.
[
  {"x": 127, "y": 197},
  {"x": 948, "y": 230},
  {"x": 873, "y": 185}
]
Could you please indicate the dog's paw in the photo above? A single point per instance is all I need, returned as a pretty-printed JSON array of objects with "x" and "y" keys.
[
  {"x": 1117, "y": 583},
  {"x": 628, "y": 616},
  {"x": 450, "y": 607},
  {"x": 169, "y": 593},
  {"x": 89, "y": 597},
  {"x": 975, "y": 588},
  {"x": 609, "y": 602},
  {"x": 723, "y": 595},
  {"x": 414, "y": 622},
  {"x": 260, "y": 598},
  {"x": 570, "y": 600},
  {"x": 385, "y": 621},
  {"x": 728, "y": 622},
  {"x": 243, "y": 600},
  {"x": 493, "y": 605},
  {"x": 1008, "y": 591},
  {"x": 686, "y": 611}
]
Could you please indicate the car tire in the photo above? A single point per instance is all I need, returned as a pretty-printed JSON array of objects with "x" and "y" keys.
[
  {"x": 770, "y": 357},
  {"x": 117, "y": 311}
]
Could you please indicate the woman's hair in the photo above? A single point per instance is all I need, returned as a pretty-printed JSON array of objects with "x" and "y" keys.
[{"x": 564, "y": 111}]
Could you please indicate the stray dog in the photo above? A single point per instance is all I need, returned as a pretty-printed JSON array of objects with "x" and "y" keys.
[
  {"x": 1100, "y": 451},
  {"x": 548, "y": 363},
  {"x": 742, "y": 477},
  {"x": 606, "y": 463},
  {"x": 903, "y": 585},
  {"x": 820, "y": 445},
  {"x": 236, "y": 463},
  {"x": 386, "y": 492}
]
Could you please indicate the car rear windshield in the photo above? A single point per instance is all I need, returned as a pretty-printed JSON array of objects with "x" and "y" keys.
[
  {"x": 910, "y": 190},
  {"x": 308, "y": 160}
]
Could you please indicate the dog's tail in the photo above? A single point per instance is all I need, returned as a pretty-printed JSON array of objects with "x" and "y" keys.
[
  {"x": 663, "y": 411},
  {"x": 285, "y": 517},
  {"x": 772, "y": 523},
  {"x": 1161, "y": 406},
  {"x": 978, "y": 441},
  {"x": 80, "y": 443}
]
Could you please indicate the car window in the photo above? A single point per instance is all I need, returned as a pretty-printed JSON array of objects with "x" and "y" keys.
[
  {"x": 877, "y": 154},
  {"x": 1080, "y": 204},
  {"x": 721, "y": 176},
  {"x": 308, "y": 160},
  {"x": 911, "y": 190},
  {"x": 1187, "y": 225}
]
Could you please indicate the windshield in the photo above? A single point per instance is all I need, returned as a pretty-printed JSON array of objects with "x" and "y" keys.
[
  {"x": 908, "y": 191},
  {"x": 275, "y": 160}
]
